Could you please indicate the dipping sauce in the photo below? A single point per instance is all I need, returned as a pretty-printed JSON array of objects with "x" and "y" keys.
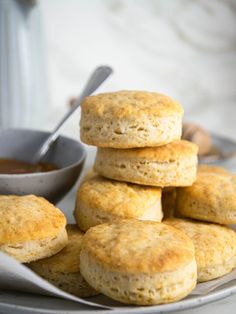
[{"x": 13, "y": 166}]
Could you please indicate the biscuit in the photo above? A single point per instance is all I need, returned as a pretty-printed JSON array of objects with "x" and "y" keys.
[
  {"x": 212, "y": 169},
  {"x": 198, "y": 135},
  {"x": 102, "y": 200},
  {"x": 31, "y": 228},
  {"x": 139, "y": 262},
  {"x": 127, "y": 119},
  {"x": 211, "y": 198},
  {"x": 174, "y": 164},
  {"x": 63, "y": 269},
  {"x": 215, "y": 247}
]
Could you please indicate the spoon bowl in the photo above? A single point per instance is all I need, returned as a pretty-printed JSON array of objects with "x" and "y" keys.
[{"x": 66, "y": 153}]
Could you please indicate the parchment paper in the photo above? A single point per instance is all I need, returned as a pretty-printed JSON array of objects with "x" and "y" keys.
[{"x": 17, "y": 277}]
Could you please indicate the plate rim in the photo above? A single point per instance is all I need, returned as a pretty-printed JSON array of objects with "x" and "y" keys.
[{"x": 184, "y": 304}]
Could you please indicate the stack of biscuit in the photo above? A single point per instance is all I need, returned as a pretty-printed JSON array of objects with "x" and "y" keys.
[
  {"x": 139, "y": 152},
  {"x": 121, "y": 246},
  {"x": 142, "y": 168},
  {"x": 127, "y": 253}
]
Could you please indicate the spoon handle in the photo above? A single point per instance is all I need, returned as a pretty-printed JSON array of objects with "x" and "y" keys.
[{"x": 97, "y": 78}]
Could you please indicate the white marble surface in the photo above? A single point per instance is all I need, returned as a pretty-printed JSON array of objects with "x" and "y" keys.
[{"x": 184, "y": 48}]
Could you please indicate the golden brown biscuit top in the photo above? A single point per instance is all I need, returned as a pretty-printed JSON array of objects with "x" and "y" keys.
[
  {"x": 212, "y": 169},
  {"x": 28, "y": 218},
  {"x": 119, "y": 198},
  {"x": 129, "y": 103},
  {"x": 67, "y": 260},
  {"x": 217, "y": 190},
  {"x": 167, "y": 153},
  {"x": 214, "y": 244},
  {"x": 138, "y": 246}
]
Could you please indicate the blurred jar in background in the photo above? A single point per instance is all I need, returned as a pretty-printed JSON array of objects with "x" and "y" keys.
[{"x": 23, "y": 88}]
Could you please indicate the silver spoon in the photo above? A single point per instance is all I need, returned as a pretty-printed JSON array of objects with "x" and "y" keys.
[{"x": 97, "y": 78}]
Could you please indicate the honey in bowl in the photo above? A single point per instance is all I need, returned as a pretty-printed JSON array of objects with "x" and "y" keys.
[{"x": 13, "y": 166}]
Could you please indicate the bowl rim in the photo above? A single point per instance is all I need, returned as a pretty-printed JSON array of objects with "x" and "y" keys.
[{"x": 48, "y": 173}]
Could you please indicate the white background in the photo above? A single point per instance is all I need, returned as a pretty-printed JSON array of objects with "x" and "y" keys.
[{"x": 184, "y": 48}]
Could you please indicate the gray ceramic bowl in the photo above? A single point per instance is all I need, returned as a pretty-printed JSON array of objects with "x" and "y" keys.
[{"x": 66, "y": 153}]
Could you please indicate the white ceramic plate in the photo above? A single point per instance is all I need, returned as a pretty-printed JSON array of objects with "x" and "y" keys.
[{"x": 20, "y": 303}]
